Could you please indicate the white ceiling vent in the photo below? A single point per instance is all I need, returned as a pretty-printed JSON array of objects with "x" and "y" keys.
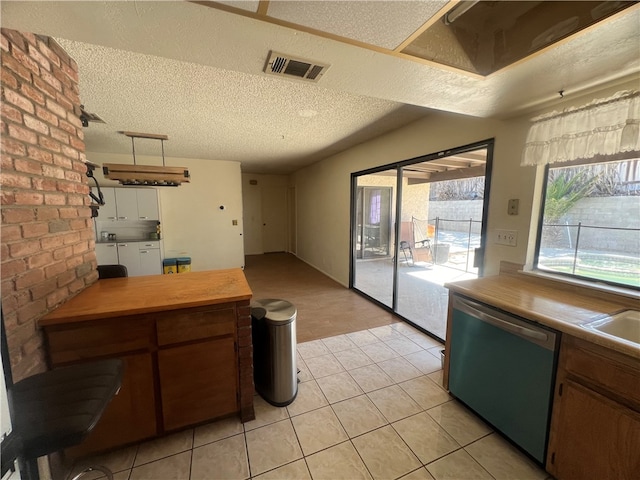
[{"x": 285, "y": 65}]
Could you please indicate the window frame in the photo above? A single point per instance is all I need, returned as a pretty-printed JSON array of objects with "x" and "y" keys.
[{"x": 536, "y": 257}]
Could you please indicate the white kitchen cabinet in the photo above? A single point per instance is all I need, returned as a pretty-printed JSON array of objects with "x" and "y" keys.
[
  {"x": 129, "y": 256},
  {"x": 140, "y": 258},
  {"x": 150, "y": 261},
  {"x": 128, "y": 203},
  {"x": 107, "y": 253},
  {"x": 108, "y": 210},
  {"x": 147, "y": 204}
]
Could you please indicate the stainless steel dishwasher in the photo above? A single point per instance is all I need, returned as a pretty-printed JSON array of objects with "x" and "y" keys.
[{"x": 503, "y": 367}]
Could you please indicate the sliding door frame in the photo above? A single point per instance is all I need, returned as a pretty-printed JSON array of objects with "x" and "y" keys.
[{"x": 398, "y": 166}]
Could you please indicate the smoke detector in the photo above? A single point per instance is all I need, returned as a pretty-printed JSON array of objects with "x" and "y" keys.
[{"x": 286, "y": 65}]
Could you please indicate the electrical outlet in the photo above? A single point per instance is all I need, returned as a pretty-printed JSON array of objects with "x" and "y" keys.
[
  {"x": 512, "y": 209},
  {"x": 506, "y": 237}
]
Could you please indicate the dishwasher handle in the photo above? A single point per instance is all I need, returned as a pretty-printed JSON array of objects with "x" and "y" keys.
[{"x": 504, "y": 322}]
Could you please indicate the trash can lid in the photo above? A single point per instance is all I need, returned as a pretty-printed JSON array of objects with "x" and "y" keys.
[{"x": 277, "y": 311}]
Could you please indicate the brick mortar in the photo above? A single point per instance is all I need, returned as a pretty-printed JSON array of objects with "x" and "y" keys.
[{"x": 48, "y": 252}]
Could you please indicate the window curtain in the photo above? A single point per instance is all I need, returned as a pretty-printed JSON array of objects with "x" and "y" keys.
[{"x": 603, "y": 127}]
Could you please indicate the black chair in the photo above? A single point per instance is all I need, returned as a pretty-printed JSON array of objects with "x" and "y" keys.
[
  {"x": 112, "y": 271},
  {"x": 404, "y": 248},
  {"x": 54, "y": 410}
]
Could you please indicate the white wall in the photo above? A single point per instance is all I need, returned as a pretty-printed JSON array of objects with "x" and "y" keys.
[
  {"x": 323, "y": 188},
  {"x": 192, "y": 223}
]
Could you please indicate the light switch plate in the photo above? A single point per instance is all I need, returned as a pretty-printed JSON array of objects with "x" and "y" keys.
[
  {"x": 506, "y": 237},
  {"x": 512, "y": 209}
]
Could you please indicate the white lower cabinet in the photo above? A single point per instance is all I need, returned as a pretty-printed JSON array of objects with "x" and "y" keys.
[
  {"x": 107, "y": 253},
  {"x": 150, "y": 262},
  {"x": 129, "y": 255},
  {"x": 140, "y": 258}
]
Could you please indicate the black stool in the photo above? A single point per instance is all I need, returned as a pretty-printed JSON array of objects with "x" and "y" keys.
[
  {"x": 57, "y": 409},
  {"x": 54, "y": 410}
]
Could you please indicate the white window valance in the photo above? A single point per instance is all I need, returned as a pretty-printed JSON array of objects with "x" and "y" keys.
[{"x": 606, "y": 126}]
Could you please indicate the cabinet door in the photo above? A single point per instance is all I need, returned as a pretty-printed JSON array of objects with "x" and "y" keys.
[
  {"x": 129, "y": 256},
  {"x": 126, "y": 203},
  {"x": 108, "y": 210},
  {"x": 147, "y": 204},
  {"x": 198, "y": 382},
  {"x": 107, "y": 253},
  {"x": 131, "y": 415},
  {"x": 592, "y": 436},
  {"x": 150, "y": 263}
]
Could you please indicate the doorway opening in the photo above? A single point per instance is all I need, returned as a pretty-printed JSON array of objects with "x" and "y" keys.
[{"x": 417, "y": 225}]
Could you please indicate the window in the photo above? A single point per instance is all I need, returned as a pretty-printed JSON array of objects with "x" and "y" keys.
[{"x": 591, "y": 221}]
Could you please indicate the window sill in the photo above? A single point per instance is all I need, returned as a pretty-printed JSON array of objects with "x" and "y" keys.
[{"x": 597, "y": 286}]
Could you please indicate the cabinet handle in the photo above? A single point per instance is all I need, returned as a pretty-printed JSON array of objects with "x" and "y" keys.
[
  {"x": 112, "y": 218},
  {"x": 123, "y": 245},
  {"x": 111, "y": 245},
  {"x": 143, "y": 218},
  {"x": 144, "y": 251},
  {"x": 122, "y": 218}
]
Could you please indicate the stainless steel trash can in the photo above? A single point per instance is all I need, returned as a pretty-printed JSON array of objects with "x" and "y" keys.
[{"x": 273, "y": 324}]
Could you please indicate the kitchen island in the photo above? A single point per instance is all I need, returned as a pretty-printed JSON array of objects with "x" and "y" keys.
[{"x": 186, "y": 343}]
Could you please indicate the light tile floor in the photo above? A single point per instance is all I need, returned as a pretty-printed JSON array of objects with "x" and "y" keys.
[{"x": 370, "y": 406}]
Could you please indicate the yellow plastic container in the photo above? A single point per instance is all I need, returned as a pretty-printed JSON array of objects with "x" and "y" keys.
[
  {"x": 170, "y": 265},
  {"x": 184, "y": 264}
]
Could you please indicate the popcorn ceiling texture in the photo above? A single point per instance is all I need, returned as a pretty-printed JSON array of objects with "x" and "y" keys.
[
  {"x": 196, "y": 74},
  {"x": 47, "y": 233},
  {"x": 383, "y": 24}
]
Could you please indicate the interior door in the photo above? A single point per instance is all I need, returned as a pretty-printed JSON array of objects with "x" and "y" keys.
[{"x": 274, "y": 218}]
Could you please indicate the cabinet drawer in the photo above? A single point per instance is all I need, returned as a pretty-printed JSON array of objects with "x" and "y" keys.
[
  {"x": 612, "y": 370},
  {"x": 195, "y": 324},
  {"x": 99, "y": 338}
]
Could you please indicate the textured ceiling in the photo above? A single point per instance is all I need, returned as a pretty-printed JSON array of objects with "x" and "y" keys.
[{"x": 195, "y": 73}]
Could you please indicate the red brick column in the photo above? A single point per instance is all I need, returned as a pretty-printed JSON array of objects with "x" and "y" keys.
[{"x": 47, "y": 239}]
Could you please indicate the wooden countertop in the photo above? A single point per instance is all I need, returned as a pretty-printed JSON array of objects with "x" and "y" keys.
[
  {"x": 116, "y": 297},
  {"x": 551, "y": 303}
]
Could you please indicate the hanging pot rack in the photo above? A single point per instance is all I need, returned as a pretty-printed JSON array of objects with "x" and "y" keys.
[{"x": 148, "y": 175}]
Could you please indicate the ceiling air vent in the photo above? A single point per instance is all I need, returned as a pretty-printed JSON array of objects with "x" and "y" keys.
[{"x": 285, "y": 65}]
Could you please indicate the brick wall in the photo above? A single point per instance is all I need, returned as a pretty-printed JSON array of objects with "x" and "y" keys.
[
  {"x": 245, "y": 359},
  {"x": 47, "y": 236}
]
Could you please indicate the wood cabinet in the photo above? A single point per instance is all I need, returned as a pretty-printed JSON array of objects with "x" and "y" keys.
[
  {"x": 131, "y": 415},
  {"x": 185, "y": 341},
  {"x": 200, "y": 341},
  {"x": 595, "y": 426}
]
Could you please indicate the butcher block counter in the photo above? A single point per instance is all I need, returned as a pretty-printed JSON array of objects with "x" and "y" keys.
[
  {"x": 560, "y": 306},
  {"x": 186, "y": 343}
]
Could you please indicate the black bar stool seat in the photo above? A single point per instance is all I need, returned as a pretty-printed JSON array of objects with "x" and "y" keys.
[{"x": 57, "y": 409}]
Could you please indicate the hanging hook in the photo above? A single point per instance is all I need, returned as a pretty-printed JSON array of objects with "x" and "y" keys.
[{"x": 561, "y": 93}]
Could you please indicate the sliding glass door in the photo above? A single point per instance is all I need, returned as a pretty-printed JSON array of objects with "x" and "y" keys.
[
  {"x": 374, "y": 235},
  {"x": 417, "y": 225}
]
